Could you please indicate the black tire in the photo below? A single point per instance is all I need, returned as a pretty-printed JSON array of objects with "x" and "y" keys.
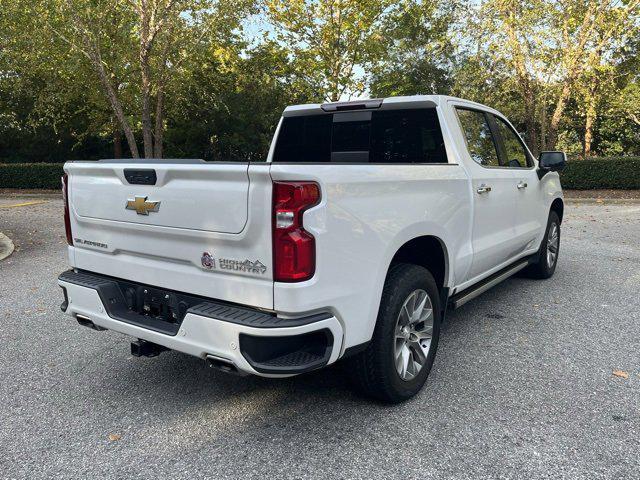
[
  {"x": 543, "y": 268},
  {"x": 374, "y": 370}
]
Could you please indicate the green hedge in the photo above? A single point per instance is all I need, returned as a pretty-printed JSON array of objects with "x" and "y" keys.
[
  {"x": 614, "y": 172},
  {"x": 599, "y": 173},
  {"x": 31, "y": 175}
]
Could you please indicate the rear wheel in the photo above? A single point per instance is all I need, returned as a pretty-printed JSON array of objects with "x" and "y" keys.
[
  {"x": 398, "y": 359},
  {"x": 549, "y": 250}
]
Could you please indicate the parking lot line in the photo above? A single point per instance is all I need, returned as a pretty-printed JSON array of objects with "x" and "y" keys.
[{"x": 25, "y": 204}]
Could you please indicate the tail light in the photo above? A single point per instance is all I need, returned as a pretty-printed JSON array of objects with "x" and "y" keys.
[
  {"x": 67, "y": 217},
  {"x": 294, "y": 249}
]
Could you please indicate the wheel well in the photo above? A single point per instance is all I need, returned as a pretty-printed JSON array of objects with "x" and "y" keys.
[
  {"x": 428, "y": 252},
  {"x": 558, "y": 207}
]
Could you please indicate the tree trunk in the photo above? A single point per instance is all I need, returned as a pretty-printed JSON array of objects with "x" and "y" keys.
[
  {"x": 92, "y": 52},
  {"x": 145, "y": 14},
  {"x": 590, "y": 120},
  {"x": 557, "y": 115},
  {"x": 147, "y": 126},
  {"x": 575, "y": 67},
  {"x": 588, "y": 135},
  {"x": 117, "y": 141},
  {"x": 159, "y": 130},
  {"x": 335, "y": 89},
  {"x": 543, "y": 127},
  {"x": 542, "y": 139},
  {"x": 573, "y": 52},
  {"x": 530, "y": 121},
  {"x": 525, "y": 80},
  {"x": 115, "y": 105}
]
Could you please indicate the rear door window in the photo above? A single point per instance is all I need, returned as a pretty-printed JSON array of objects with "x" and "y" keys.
[
  {"x": 307, "y": 138},
  {"x": 480, "y": 141},
  {"x": 386, "y": 136}
]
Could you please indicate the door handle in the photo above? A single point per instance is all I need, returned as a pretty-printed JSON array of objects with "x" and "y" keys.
[
  {"x": 522, "y": 185},
  {"x": 483, "y": 189}
]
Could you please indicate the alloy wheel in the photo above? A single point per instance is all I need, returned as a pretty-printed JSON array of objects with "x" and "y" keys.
[
  {"x": 553, "y": 244},
  {"x": 413, "y": 334}
]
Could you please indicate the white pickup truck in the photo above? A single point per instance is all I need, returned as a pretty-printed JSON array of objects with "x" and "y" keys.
[{"x": 366, "y": 222}]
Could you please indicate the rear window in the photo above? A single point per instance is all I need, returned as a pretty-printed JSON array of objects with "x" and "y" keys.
[{"x": 388, "y": 136}]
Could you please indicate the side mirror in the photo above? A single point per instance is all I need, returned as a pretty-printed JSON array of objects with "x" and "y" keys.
[{"x": 552, "y": 162}]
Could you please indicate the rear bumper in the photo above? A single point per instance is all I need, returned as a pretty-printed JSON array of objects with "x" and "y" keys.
[{"x": 253, "y": 341}]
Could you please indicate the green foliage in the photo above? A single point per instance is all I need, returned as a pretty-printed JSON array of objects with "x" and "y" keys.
[
  {"x": 229, "y": 106},
  {"x": 419, "y": 52},
  {"x": 31, "y": 175},
  {"x": 330, "y": 39},
  {"x": 226, "y": 73},
  {"x": 602, "y": 173}
]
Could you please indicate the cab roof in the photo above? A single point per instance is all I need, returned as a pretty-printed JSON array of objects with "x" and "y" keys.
[{"x": 412, "y": 101}]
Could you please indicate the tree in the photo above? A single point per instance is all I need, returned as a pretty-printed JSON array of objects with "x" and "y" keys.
[
  {"x": 152, "y": 38},
  {"x": 185, "y": 78},
  {"x": 547, "y": 44},
  {"x": 47, "y": 91},
  {"x": 230, "y": 103},
  {"x": 585, "y": 32},
  {"x": 331, "y": 40},
  {"x": 419, "y": 50},
  {"x": 518, "y": 36},
  {"x": 628, "y": 75}
]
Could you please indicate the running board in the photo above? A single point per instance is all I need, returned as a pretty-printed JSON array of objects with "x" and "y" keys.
[{"x": 472, "y": 292}]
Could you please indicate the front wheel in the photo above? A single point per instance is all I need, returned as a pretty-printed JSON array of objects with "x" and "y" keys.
[
  {"x": 549, "y": 250},
  {"x": 398, "y": 359}
]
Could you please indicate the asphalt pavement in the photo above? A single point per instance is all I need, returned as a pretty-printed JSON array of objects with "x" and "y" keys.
[{"x": 529, "y": 382}]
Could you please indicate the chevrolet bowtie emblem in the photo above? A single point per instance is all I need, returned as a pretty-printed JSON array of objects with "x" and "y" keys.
[{"x": 142, "y": 206}]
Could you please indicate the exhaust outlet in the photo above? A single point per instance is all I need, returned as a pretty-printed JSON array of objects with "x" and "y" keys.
[
  {"x": 224, "y": 365},
  {"x": 86, "y": 322}
]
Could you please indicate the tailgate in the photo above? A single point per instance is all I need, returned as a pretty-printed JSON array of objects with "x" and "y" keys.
[
  {"x": 207, "y": 197},
  {"x": 191, "y": 226}
]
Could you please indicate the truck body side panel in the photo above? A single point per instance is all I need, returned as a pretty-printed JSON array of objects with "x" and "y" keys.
[{"x": 366, "y": 214}]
